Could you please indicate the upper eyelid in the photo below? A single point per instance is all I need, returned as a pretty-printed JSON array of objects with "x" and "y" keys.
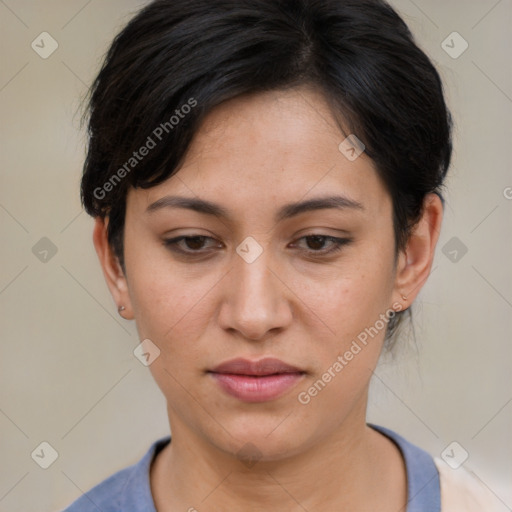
[
  {"x": 307, "y": 235},
  {"x": 333, "y": 239}
]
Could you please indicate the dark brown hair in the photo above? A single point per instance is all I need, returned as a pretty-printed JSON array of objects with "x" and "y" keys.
[{"x": 176, "y": 60}]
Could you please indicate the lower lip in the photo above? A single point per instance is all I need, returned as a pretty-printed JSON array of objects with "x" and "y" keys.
[{"x": 257, "y": 389}]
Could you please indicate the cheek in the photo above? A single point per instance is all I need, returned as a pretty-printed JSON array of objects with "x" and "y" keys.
[
  {"x": 172, "y": 303},
  {"x": 171, "y": 312},
  {"x": 351, "y": 306},
  {"x": 169, "y": 307},
  {"x": 167, "y": 298},
  {"x": 353, "y": 295}
]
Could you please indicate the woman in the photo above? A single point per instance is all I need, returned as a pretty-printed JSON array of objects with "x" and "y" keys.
[{"x": 265, "y": 177}]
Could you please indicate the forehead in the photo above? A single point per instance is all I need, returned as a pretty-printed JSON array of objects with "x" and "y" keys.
[{"x": 269, "y": 149}]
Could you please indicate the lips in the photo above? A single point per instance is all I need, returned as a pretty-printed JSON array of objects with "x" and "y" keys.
[
  {"x": 267, "y": 366},
  {"x": 256, "y": 381}
]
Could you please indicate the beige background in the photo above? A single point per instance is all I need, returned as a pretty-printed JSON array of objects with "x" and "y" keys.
[{"x": 67, "y": 372}]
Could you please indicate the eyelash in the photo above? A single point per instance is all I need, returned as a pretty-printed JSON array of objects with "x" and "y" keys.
[{"x": 172, "y": 244}]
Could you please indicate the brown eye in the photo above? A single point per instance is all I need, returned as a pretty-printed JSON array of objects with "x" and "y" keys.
[
  {"x": 315, "y": 244},
  {"x": 195, "y": 242},
  {"x": 188, "y": 244}
]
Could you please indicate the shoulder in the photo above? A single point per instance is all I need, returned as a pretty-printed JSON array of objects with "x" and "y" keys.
[
  {"x": 433, "y": 485},
  {"x": 105, "y": 496},
  {"x": 128, "y": 490},
  {"x": 461, "y": 491}
]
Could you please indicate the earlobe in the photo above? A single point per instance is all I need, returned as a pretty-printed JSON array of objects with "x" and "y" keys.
[
  {"x": 416, "y": 259},
  {"x": 112, "y": 271}
]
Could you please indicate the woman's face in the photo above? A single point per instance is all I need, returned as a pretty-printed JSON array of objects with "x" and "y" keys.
[{"x": 265, "y": 279}]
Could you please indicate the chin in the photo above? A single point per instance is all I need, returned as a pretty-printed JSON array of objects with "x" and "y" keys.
[{"x": 266, "y": 440}]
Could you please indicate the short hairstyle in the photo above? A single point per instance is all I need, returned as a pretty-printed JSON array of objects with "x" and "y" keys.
[{"x": 176, "y": 60}]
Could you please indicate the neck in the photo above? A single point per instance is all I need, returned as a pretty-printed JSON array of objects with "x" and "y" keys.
[{"x": 349, "y": 469}]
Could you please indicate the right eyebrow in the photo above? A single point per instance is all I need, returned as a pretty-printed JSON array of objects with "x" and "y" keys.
[{"x": 285, "y": 212}]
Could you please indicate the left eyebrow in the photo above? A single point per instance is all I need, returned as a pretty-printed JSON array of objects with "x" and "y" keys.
[
  {"x": 285, "y": 212},
  {"x": 319, "y": 203}
]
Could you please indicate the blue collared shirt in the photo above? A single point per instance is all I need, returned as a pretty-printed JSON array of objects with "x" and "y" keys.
[{"x": 129, "y": 490}]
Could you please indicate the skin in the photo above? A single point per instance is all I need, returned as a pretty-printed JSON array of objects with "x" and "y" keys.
[{"x": 252, "y": 155}]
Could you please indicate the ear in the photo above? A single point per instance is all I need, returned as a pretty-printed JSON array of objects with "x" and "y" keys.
[
  {"x": 114, "y": 275},
  {"x": 415, "y": 261}
]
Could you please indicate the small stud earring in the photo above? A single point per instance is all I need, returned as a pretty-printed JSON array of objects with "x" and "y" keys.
[
  {"x": 404, "y": 298},
  {"x": 120, "y": 308}
]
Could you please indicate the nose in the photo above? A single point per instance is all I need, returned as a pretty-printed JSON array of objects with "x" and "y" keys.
[{"x": 255, "y": 299}]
